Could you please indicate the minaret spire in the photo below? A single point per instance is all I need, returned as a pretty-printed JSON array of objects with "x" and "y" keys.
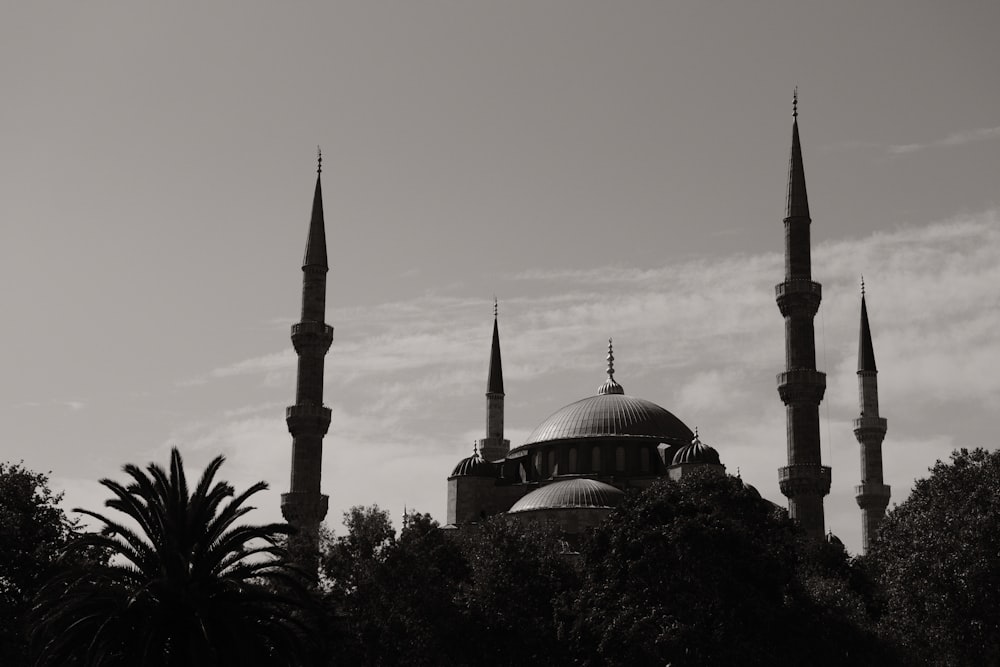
[
  {"x": 494, "y": 447},
  {"x": 305, "y": 506},
  {"x": 872, "y": 494},
  {"x": 805, "y": 480}
]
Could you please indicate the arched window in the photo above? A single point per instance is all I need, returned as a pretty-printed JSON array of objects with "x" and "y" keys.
[
  {"x": 644, "y": 459},
  {"x": 595, "y": 459},
  {"x": 553, "y": 471},
  {"x": 537, "y": 464},
  {"x": 572, "y": 460},
  {"x": 620, "y": 459}
]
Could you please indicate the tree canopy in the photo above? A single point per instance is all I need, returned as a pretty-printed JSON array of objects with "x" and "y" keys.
[
  {"x": 33, "y": 532},
  {"x": 937, "y": 563},
  {"x": 186, "y": 585}
]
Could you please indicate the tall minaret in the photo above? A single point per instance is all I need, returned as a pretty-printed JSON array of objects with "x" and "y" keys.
[
  {"x": 805, "y": 480},
  {"x": 304, "y": 506},
  {"x": 869, "y": 429},
  {"x": 493, "y": 447}
]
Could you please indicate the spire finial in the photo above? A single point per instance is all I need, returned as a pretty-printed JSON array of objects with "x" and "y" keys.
[
  {"x": 862, "y": 285},
  {"x": 319, "y": 160},
  {"x": 795, "y": 103},
  {"x": 496, "y": 307},
  {"x": 610, "y": 386},
  {"x": 611, "y": 359}
]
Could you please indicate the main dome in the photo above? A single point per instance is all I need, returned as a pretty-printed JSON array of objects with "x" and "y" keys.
[{"x": 611, "y": 415}]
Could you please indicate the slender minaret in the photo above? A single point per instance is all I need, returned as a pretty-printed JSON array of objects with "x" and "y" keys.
[
  {"x": 304, "y": 506},
  {"x": 493, "y": 447},
  {"x": 805, "y": 480},
  {"x": 869, "y": 429}
]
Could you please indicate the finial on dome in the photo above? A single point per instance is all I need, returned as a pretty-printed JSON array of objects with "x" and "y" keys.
[
  {"x": 319, "y": 160},
  {"x": 475, "y": 448},
  {"x": 610, "y": 386},
  {"x": 795, "y": 103},
  {"x": 695, "y": 440}
]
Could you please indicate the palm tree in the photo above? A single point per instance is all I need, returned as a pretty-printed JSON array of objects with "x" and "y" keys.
[{"x": 188, "y": 586}]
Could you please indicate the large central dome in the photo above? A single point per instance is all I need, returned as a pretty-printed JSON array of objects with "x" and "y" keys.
[{"x": 611, "y": 415}]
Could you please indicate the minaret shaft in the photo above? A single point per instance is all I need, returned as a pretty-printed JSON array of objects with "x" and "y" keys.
[
  {"x": 805, "y": 480},
  {"x": 305, "y": 506},
  {"x": 870, "y": 428}
]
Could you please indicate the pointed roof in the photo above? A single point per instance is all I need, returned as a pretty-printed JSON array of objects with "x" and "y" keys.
[
  {"x": 494, "y": 383},
  {"x": 866, "y": 353},
  {"x": 797, "y": 202},
  {"x": 316, "y": 243}
]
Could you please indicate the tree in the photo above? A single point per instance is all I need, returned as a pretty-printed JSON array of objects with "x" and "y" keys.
[
  {"x": 392, "y": 601},
  {"x": 187, "y": 586},
  {"x": 520, "y": 576},
  {"x": 703, "y": 571},
  {"x": 33, "y": 531},
  {"x": 937, "y": 559}
]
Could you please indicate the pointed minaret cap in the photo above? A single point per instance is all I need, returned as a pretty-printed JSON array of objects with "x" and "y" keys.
[
  {"x": 866, "y": 353},
  {"x": 316, "y": 243},
  {"x": 797, "y": 202},
  {"x": 494, "y": 383},
  {"x": 610, "y": 386}
]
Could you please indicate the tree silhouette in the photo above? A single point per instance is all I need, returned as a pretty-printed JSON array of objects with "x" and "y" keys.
[{"x": 187, "y": 586}]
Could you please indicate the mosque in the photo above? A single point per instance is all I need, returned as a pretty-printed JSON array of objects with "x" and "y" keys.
[{"x": 579, "y": 463}]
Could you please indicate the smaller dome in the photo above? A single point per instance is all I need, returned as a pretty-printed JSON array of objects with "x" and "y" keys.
[
  {"x": 696, "y": 452},
  {"x": 474, "y": 466},
  {"x": 572, "y": 493}
]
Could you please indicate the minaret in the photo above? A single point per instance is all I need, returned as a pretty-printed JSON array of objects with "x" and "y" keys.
[
  {"x": 304, "y": 506},
  {"x": 805, "y": 480},
  {"x": 869, "y": 429},
  {"x": 493, "y": 447}
]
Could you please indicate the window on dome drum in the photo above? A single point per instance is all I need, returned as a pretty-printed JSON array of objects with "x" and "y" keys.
[
  {"x": 620, "y": 459},
  {"x": 644, "y": 460},
  {"x": 552, "y": 463},
  {"x": 595, "y": 459},
  {"x": 537, "y": 464},
  {"x": 572, "y": 460}
]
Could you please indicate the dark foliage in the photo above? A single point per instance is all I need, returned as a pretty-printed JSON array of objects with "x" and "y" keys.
[
  {"x": 33, "y": 531},
  {"x": 937, "y": 560},
  {"x": 704, "y": 572},
  {"x": 187, "y": 586},
  {"x": 521, "y": 578}
]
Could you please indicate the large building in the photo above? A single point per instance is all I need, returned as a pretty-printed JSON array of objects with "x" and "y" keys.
[{"x": 576, "y": 466}]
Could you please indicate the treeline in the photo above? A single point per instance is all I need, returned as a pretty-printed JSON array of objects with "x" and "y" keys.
[{"x": 696, "y": 572}]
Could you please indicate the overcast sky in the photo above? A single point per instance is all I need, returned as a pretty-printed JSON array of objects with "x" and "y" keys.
[{"x": 606, "y": 169}]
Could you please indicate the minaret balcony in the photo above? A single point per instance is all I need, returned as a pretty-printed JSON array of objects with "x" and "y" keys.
[
  {"x": 301, "y": 509},
  {"x": 798, "y": 295},
  {"x": 872, "y": 495},
  {"x": 802, "y": 386},
  {"x": 307, "y": 419},
  {"x": 312, "y": 336},
  {"x": 867, "y": 426},
  {"x": 804, "y": 479}
]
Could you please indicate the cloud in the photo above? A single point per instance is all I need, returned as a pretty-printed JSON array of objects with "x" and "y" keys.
[
  {"x": 954, "y": 139},
  {"x": 703, "y": 338}
]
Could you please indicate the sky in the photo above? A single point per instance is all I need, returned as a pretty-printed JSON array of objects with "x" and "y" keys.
[{"x": 604, "y": 169}]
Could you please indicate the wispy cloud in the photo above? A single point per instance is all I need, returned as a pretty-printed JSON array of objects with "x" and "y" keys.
[
  {"x": 954, "y": 139},
  {"x": 703, "y": 338}
]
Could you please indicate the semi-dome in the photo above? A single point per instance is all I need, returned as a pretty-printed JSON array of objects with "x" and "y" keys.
[
  {"x": 570, "y": 494},
  {"x": 696, "y": 452},
  {"x": 611, "y": 415},
  {"x": 474, "y": 466}
]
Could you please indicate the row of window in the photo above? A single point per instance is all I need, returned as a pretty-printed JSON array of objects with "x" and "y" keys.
[{"x": 548, "y": 464}]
